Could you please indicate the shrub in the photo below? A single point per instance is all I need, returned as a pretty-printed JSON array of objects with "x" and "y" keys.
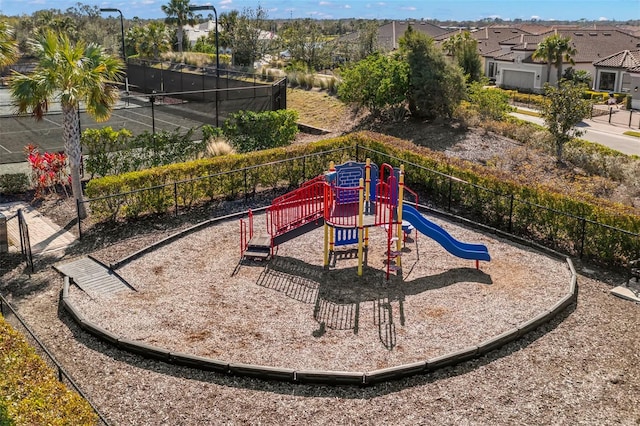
[
  {"x": 31, "y": 394},
  {"x": 491, "y": 103},
  {"x": 251, "y": 131},
  {"x": 112, "y": 152},
  {"x": 14, "y": 183},
  {"x": 48, "y": 170}
]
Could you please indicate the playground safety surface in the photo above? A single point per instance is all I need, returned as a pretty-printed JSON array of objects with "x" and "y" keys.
[{"x": 292, "y": 313}]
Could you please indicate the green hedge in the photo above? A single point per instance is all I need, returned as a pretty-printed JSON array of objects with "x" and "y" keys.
[
  {"x": 14, "y": 183},
  {"x": 30, "y": 393},
  {"x": 535, "y": 212}
]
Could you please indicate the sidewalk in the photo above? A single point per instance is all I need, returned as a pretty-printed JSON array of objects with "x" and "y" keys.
[
  {"x": 45, "y": 236},
  {"x": 598, "y": 129}
]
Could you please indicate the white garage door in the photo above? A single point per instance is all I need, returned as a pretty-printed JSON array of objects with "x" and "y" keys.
[{"x": 519, "y": 79}]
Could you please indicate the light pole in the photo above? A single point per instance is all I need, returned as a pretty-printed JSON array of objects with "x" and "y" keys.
[
  {"x": 215, "y": 14},
  {"x": 152, "y": 99},
  {"x": 124, "y": 52}
]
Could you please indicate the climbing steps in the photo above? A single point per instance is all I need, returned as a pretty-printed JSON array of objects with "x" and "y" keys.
[{"x": 258, "y": 248}]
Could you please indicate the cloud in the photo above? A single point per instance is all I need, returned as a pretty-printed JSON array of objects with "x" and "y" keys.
[
  {"x": 225, "y": 2},
  {"x": 602, "y": 18},
  {"x": 535, "y": 17},
  {"x": 409, "y": 8}
]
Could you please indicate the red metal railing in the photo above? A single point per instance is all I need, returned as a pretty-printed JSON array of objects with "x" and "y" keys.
[
  {"x": 342, "y": 207},
  {"x": 246, "y": 234},
  {"x": 296, "y": 208}
]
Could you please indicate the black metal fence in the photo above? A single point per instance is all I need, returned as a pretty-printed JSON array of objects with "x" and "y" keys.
[
  {"x": 12, "y": 317},
  {"x": 208, "y": 91},
  {"x": 25, "y": 241},
  {"x": 567, "y": 232}
]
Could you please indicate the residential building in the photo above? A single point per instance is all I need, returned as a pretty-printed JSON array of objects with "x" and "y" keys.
[{"x": 516, "y": 69}]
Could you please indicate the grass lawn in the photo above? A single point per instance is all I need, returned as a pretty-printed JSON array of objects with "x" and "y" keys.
[{"x": 316, "y": 108}]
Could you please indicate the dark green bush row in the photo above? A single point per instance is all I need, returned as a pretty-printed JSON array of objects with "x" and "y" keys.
[
  {"x": 250, "y": 131},
  {"x": 572, "y": 225},
  {"x": 31, "y": 393},
  {"x": 211, "y": 178},
  {"x": 13, "y": 183},
  {"x": 112, "y": 152}
]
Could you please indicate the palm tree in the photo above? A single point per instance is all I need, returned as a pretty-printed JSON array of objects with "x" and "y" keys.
[
  {"x": 554, "y": 50},
  {"x": 71, "y": 74},
  {"x": 8, "y": 45},
  {"x": 178, "y": 13},
  {"x": 564, "y": 52}
]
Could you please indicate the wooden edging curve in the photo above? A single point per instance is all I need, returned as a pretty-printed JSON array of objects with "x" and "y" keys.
[{"x": 323, "y": 377}]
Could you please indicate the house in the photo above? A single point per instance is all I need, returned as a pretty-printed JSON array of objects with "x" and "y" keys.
[
  {"x": 390, "y": 33},
  {"x": 516, "y": 69},
  {"x": 491, "y": 42},
  {"x": 620, "y": 73},
  {"x": 193, "y": 33}
]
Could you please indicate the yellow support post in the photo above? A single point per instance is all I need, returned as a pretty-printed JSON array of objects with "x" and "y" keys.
[
  {"x": 399, "y": 229},
  {"x": 360, "y": 226}
]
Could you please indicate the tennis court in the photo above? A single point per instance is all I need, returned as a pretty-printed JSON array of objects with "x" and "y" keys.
[{"x": 135, "y": 113}]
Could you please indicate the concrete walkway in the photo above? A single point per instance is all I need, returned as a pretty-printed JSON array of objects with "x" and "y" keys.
[
  {"x": 45, "y": 236},
  {"x": 598, "y": 130}
]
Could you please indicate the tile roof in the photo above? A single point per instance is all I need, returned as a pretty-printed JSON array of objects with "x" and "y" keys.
[
  {"x": 490, "y": 38},
  {"x": 590, "y": 44},
  {"x": 625, "y": 59},
  {"x": 387, "y": 31}
]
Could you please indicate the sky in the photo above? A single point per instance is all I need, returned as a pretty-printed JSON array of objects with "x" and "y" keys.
[{"x": 618, "y": 10}]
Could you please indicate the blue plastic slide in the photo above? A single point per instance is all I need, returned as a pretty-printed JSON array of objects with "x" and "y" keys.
[{"x": 442, "y": 237}]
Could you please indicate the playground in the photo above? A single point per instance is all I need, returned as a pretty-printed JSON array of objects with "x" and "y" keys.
[{"x": 396, "y": 293}]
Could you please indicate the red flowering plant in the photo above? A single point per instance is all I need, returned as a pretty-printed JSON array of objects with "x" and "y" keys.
[{"x": 48, "y": 171}]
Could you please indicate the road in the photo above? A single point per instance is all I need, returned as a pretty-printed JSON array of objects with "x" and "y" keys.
[{"x": 601, "y": 133}]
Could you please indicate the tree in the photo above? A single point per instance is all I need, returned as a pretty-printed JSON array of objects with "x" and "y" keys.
[
  {"x": 554, "y": 50},
  {"x": 378, "y": 82},
  {"x": 464, "y": 49},
  {"x": 150, "y": 40},
  {"x": 246, "y": 43},
  {"x": 306, "y": 43},
  {"x": 178, "y": 13},
  {"x": 563, "y": 111},
  {"x": 491, "y": 103},
  {"x": 70, "y": 73},
  {"x": 436, "y": 86},
  {"x": 228, "y": 23},
  {"x": 578, "y": 76},
  {"x": 8, "y": 45}
]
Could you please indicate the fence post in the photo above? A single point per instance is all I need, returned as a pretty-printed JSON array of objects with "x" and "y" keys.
[
  {"x": 304, "y": 168},
  {"x": 510, "y": 213},
  {"x": 610, "y": 114},
  {"x": 357, "y": 152},
  {"x": 583, "y": 236},
  {"x": 450, "y": 192},
  {"x": 175, "y": 196},
  {"x": 630, "y": 115},
  {"x": 246, "y": 195},
  {"x": 79, "y": 220}
]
